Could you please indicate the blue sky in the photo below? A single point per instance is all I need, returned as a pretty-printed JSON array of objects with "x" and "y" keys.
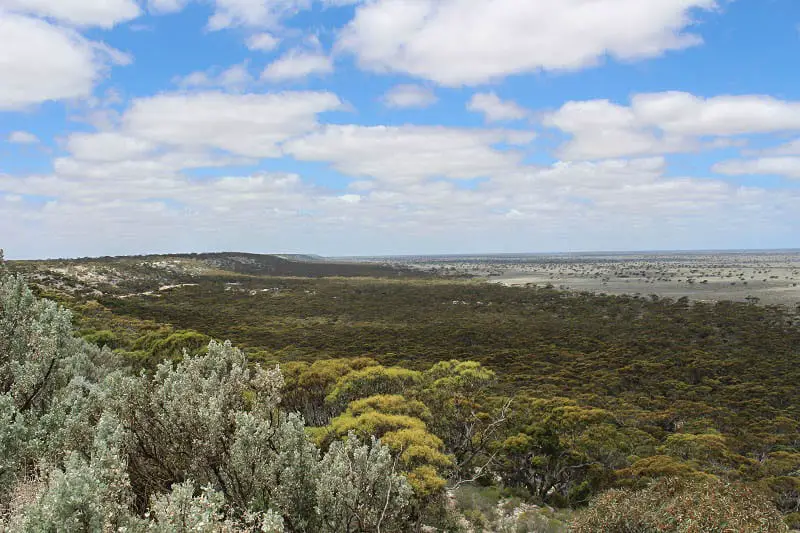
[{"x": 346, "y": 127}]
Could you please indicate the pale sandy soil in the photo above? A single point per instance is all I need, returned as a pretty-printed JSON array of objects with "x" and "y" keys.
[{"x": 771, "y": 278}]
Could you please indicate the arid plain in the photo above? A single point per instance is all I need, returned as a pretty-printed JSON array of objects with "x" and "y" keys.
[{"x": 766, "y": 277}]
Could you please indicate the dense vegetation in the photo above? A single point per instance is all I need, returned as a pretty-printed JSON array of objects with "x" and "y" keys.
[{"x": 479, "y": 392}]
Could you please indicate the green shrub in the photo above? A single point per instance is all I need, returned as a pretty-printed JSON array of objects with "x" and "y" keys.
[{"x": 103, "y": 338}]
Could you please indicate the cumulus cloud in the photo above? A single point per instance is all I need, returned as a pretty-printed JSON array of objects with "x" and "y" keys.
[
  {"x": 296, "y": 65},
  {"x": 254, "y": 13},
  {"x": 166, "y": 6},
  {"x": 619, "y": 188},
  {"x": 495, "y": 109},
  {"x": 589, "y": 205},
  {"x": 666, "y": 122},
  {"x": 105, "y": 13},
  {"x": 264, "y": 42},
  {"x": 600, "y": 129},
  {"x": 409, "y": 95},
  {"x": 686, "y": 114},
  {"x": 468, "y": 42},
  {"x": 142, "y": 177},
  {"x": 235, "y": 78},
  {"x": 247, "y": 13},
  {"x": 107, "y": 146},
  {"x": 409, "y": 153},
  {"x": 132, "y": 185},
  {"x": 41, "y": 62},
  {"x": 22, "y": 137},
  {"x": 250, "y": 125},
  {"x": 788, "y": 167}
]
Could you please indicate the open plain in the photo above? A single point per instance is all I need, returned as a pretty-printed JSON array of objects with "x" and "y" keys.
[{"x": 767, "y": 277}]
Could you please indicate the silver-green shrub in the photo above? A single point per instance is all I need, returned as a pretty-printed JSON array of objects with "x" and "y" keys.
[
  {"x": 200, "y": 445},
  {"x": 360, "y": 489}
]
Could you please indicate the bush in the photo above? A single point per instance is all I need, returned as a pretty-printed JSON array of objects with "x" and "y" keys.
[
  {"x": 681, "y": 505},
  {"x": 103, "y": 338},
  {"x": 199, "y": 445}
]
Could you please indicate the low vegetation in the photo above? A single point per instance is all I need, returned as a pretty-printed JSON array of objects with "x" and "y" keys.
[{"x": 367, "y": 404}]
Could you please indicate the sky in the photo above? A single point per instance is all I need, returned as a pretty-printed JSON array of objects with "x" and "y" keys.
[{"x": 387, "y": 127}]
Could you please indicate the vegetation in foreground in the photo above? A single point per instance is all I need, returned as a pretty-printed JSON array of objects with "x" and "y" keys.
[{"x": 239, "y": 446}]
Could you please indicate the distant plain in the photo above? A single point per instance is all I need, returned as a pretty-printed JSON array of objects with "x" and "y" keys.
[{"x": 766, "y": 277}]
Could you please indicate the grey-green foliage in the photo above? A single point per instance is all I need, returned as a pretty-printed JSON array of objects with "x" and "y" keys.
[
  {"x": 182, "y": 511},
  {"x": 87, "y": 495},
  {"x": 359, "y": 489},
  {"x": 47, "y": 379},
  {"x": 274, "y": 466},
  {"x": 13, "y": 436},
  {"x": 197, "y": 446},
  {"x": 35, "y": 342},
  {"x": 185, "y": 420}
]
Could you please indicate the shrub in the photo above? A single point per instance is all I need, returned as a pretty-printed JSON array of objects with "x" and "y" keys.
[{"x": 681, "y": 505}]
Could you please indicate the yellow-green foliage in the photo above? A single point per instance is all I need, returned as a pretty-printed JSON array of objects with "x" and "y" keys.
[
  {"x": 782, "y": 463},
  {"x": 781, "y": 471},
  {"x": 650, "y": 387},
  {"x": 390, "y": 404},
  {"x": 658, "y": 466},
  {"x": 322, "y": 374},
  {"x": 702, "y": 448},
  {"x": 102, "y": 338},
  {"x": 373, "y": 423},
  {"x": 417, "y": 447},
  {"x": 562, "y": 452},
  {"x": 372, "y": 380},
  {"x": 425, "y": 481},
  {"x": 391, "y": 419},
  {"x": 464, "y": 376},
  {"x": 307, "y": 385},
  {"x": 680, "y": 505},
  {"x": 707, "y": 451},
  {"x": 168, "y": 344}
]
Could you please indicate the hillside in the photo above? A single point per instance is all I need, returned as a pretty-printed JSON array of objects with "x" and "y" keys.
[
  {"x": 139, "y": 274},
  {"x": 607, "y": 391}
]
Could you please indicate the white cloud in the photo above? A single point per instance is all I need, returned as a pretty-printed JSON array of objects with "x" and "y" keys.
[
  {"x": 251, "y": 125},
  {"x": 107, "y": 146},
  {"x": 601, "y": 129},
  {"x": 166, "y": 6},
  {"x": 235, "y": 78},
  {"x": 264, "y": 42},
  {"x": 254, "y": 13},
  {"x": 609, "y": 189},
  {"x": 495, "y": 109},
  {"x": 685, "y": 114},
  {"x": 145, "y": 204},
  {"x": 408, "y": 153},
  {"x": 159, "y": 137},
  {"x": 468, "y": 42},
  {"x": 22, "y": 137},
  {"x": 296, "y": 65},
  {"x": 103, "y": 13},
  {"x": 133, "y": 174},
  {"x": 350, "y": 198},
  {"x": 790, "y": 148},
  {"x": 774, "y": 166},
  {"x": 666, "y": 122},
  {"x": 40, "y": 62},
  {"x": 408, "y": 95}
]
